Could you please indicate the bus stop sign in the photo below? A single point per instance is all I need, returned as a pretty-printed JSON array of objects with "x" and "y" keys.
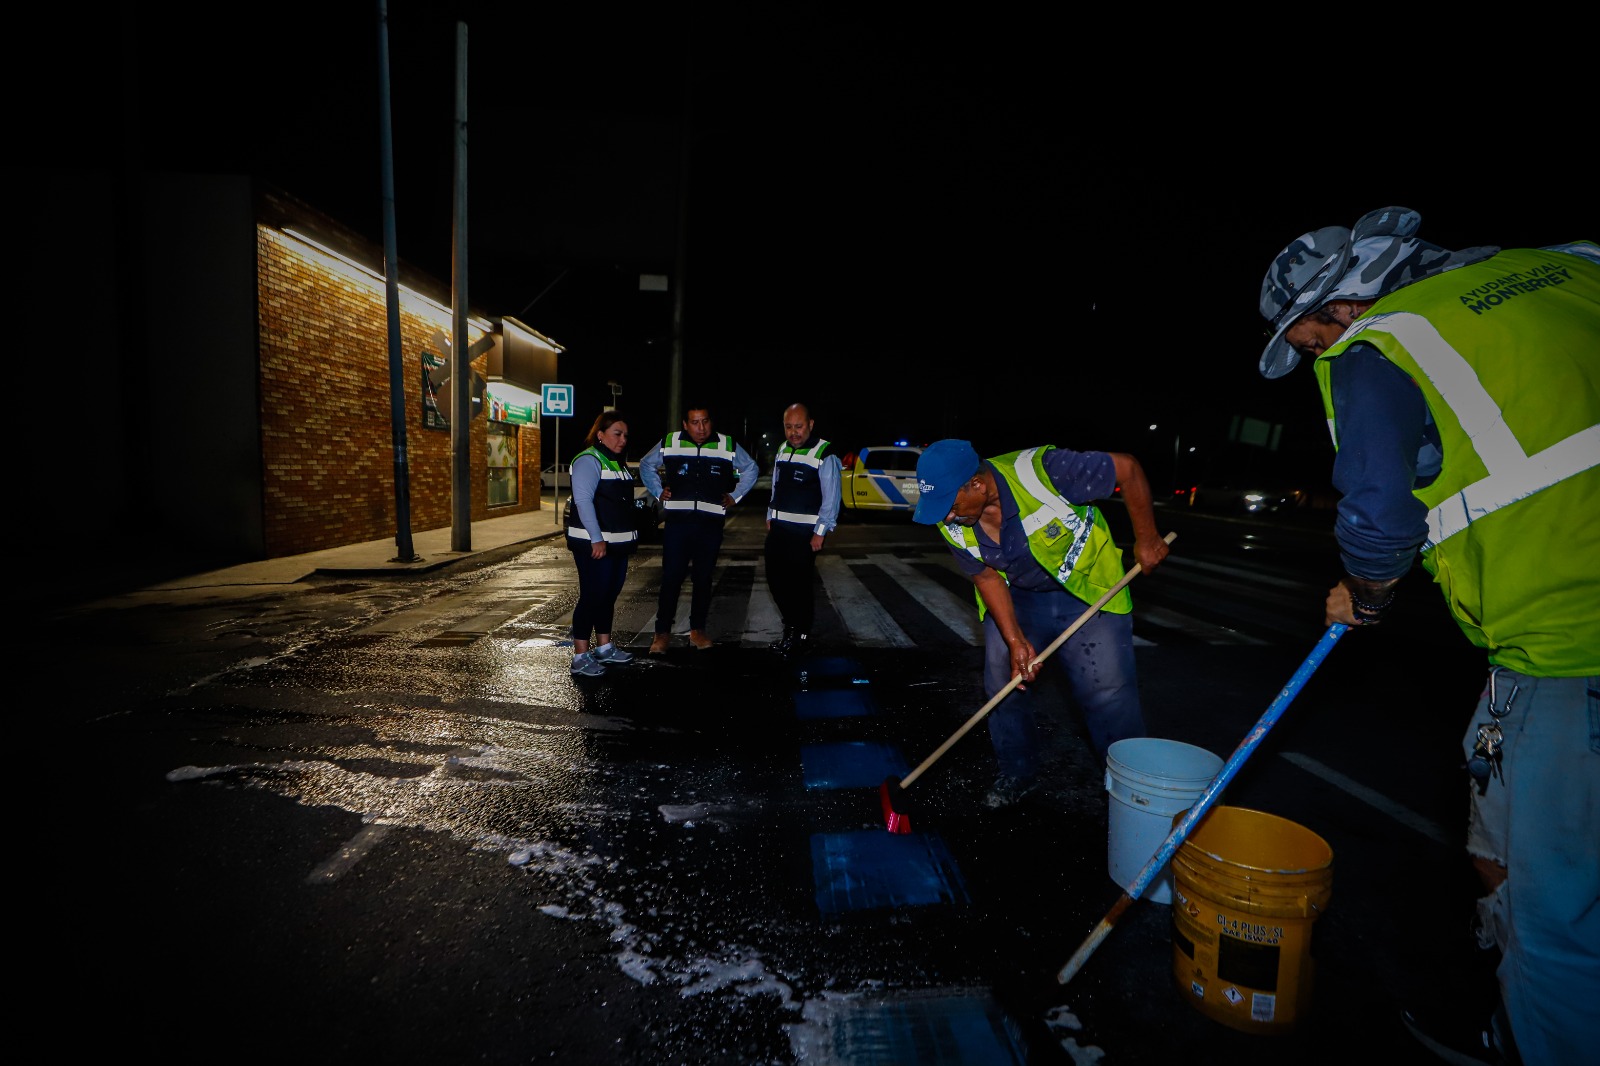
[{"x": 556, "y": 401}]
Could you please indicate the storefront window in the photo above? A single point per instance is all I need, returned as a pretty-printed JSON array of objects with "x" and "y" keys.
[{"x": 503, "y": 463}]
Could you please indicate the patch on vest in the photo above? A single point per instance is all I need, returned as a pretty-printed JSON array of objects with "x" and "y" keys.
[{"x": 1053, "y": 530}]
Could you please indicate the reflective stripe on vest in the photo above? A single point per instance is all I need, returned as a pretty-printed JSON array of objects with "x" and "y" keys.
[
  {"x": 577, "y": 532},
  {"x": 1052, "y": 506},
  {"x": 705, "y": 506},
  {"x": 1513, "y": 473}
]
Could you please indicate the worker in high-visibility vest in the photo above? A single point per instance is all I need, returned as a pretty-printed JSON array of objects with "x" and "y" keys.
[{"x": 1462, "y": 389}]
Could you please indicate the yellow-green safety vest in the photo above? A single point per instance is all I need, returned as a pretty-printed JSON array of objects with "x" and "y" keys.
[
  {"x": 1071, "y": 541},
  {"x": 1507, "y": 353}
]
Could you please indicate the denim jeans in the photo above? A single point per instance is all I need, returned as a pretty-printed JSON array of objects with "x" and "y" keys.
[
  {"x": 1096, "y": 665},
  {"x": 1541, "y": 820}
]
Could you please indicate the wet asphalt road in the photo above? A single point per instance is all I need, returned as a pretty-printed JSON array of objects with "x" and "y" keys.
[{"x": 379, "y": 821}]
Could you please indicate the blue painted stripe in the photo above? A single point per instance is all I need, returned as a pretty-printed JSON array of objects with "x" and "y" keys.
[
  {"x": 832, "y": 670},
  {"x": 889, "y": 488},
  {"x": 873, "y": 869},
  {"x": 855, "y": 702},
  {"x": 854, "y": 764},
  {"x": 943, "y": 1027}
]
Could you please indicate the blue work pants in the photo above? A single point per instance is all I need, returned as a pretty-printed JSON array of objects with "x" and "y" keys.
[{"x": 1096, "y": 665}]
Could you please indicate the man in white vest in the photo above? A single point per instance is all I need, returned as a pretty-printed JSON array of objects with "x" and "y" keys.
[
  {"x": 699, "y": 475},
  {"x": 803, "y": 510}
]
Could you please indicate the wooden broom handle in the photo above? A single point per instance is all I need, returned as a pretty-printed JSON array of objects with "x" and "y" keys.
[{"x": 1016, "y": 679}]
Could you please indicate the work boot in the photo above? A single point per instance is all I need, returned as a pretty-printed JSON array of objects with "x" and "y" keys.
[
  {"x": 700, "y": 641},
  {"x": 781, "y": 645},
  {"x": 658, "y": 644}
]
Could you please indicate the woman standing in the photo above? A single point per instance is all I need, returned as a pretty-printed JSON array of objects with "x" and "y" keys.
[{"x": 601, "y": 534}]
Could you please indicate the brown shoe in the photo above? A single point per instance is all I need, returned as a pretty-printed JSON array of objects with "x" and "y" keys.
[
  {"x": 658, "y": 646},
  {"x": 700, "y": 641}
]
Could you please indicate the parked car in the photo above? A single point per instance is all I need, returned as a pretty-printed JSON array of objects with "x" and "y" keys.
[
  {"x": 556, "y": 475},
  {"x": 1248, "y": 498},
  {"x": 881, "y": 478}
]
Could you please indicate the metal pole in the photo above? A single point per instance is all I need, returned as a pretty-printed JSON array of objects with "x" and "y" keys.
[
  {"x": 675, "y": 380},
  {"x": 404, "y": 550},
  {"x": 460, "y": 366}
]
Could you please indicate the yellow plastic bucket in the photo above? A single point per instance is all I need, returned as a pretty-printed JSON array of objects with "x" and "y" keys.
[{"x": 1247, "y": 888}]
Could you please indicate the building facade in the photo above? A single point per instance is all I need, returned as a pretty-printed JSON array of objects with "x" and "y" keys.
[
  {"x": 210, "y": 383},
  {"x": 326, "y": 425}
]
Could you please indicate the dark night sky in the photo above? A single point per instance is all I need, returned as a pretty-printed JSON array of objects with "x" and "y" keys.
[{"x": 926, "y": 225}]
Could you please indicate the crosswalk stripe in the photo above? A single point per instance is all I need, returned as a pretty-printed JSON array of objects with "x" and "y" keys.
[
  {"x": 762, "y": 623},
  {"x": 746, "y": 614},
  {"x": 870, "y": 626},
  {"x": 635, "y": 615},
  {"x": 1211, "y": 634},
  {"x": 959, "y": 614},
  {"x": 436, "y": 610}
]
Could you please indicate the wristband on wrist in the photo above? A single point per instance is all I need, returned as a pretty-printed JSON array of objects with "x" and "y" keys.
[{"x": 1368, "y": 613}]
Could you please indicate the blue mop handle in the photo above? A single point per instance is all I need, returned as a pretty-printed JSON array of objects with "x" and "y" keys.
[{"x": 1202, "y": 806}]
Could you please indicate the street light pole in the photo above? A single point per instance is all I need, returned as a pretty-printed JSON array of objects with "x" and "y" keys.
[
  {"x": 460, "y": 359},
  {"x": 405, "y": 550}
]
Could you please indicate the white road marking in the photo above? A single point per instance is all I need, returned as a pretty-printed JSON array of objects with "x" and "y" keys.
[
  {"x": 869, "y": 624},
  {"x": 1404, "y": 815},
  {"x": 957, "y": 612},
  {"x": 334, "y": 866}
]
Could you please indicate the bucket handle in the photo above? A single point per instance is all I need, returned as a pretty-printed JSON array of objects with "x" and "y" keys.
[{"x": 1202, "y": 806}]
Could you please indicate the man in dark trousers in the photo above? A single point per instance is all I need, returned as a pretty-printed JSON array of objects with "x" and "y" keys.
[
  {"x": 803, "y": 511},
  {"x": 698, "y": 475}
]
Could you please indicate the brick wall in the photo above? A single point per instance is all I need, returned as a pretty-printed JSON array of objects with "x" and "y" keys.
[{"x": 327, "y": 434}]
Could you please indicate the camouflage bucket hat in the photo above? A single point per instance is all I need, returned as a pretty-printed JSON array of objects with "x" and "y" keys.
[{"x": 1304, "y": 275}]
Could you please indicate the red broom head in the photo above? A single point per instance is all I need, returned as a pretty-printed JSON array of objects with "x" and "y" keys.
[{"x": 896, "y": 816}]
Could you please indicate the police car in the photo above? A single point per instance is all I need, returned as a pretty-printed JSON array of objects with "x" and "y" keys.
[{"x": 882, "y": 478}]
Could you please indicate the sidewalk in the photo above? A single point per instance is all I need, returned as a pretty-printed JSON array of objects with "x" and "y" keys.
[{"x": 431, "y": 547}]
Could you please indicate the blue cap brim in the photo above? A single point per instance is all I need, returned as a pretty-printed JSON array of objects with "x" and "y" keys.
[{"x": 933, "y": 506}]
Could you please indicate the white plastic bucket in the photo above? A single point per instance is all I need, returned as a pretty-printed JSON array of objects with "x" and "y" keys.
[{"x": 1150, "y": 780}]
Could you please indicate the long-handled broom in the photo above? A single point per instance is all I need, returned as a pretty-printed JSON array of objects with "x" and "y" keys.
[
  {"x": 896, "y": 811},
  {"x": 1202, "y": 806}
]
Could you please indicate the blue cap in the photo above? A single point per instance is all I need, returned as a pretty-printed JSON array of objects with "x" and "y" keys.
[{"x": 945, "y": 465}]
